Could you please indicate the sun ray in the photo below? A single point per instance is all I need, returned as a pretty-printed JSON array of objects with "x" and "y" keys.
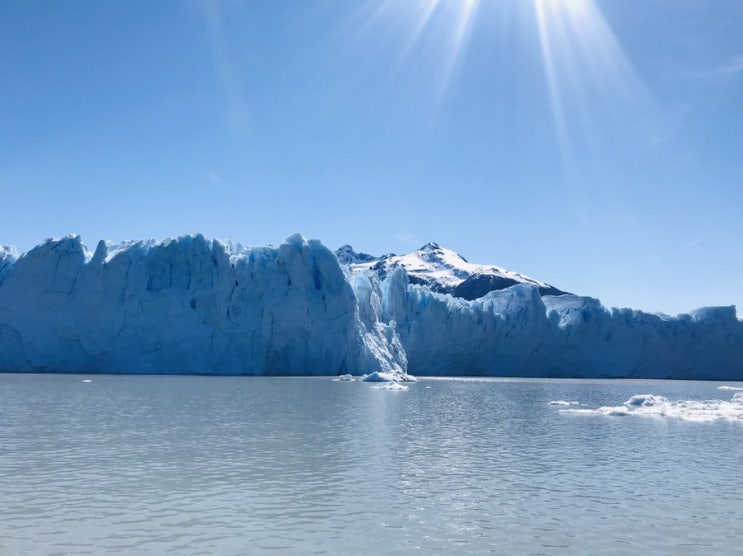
[
  {"x": 584, "y": 65},
  {"x": 428, "y": 7},
  {"x": 553, "y": 86},
  {"x": 464, "y": 18},
  {"x": 593, "y": 91},
  {"x": 443, "y": 27}
]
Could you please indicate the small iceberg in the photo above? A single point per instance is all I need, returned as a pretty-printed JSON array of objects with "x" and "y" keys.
[
  {"x": 87, "y": 380},
  {"x": 344, "y": 378},
  {"x": 563, "y": 403},
  {"x": 384, "y": 376}
]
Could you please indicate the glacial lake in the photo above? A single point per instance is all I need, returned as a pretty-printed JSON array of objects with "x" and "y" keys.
[{"x": 228, "y": 465}]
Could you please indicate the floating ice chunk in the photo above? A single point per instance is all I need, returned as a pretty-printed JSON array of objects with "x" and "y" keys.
[
  {"x": 344, "y": 378},
  {"x": 649, "y": 405},
  {"x": 382, "y": 376},
  {"x": 392, "y": 386},
  {"x": 730, "y": 388},
  {"x": 562, "y": 403},
  {"x": 646, "y": 400},
  {"x": 615, "y": 411},
  {"x": 87, "y": 380},
  {"x": 377, "y": 377}
]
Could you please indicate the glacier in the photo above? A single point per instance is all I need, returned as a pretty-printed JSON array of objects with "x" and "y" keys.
[
  {"x": 197, "y": 306},
  {"x": 186, "y": 306}
]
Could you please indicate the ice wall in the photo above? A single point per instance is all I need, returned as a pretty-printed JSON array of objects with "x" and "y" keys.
[
  {"x": 515, "y": 332},
  {"x": 197, "y": 306},
  {"x": 185, "y": 306}
]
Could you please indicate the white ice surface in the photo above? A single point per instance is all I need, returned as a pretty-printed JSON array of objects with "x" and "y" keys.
[
  {"x": 8, "y": 256},
  {"x": 649, "y": 405},
  {"x": 391, "y": 387}
]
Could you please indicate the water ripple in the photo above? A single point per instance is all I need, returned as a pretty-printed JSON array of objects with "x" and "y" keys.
[{"x": 196, "y": 465}]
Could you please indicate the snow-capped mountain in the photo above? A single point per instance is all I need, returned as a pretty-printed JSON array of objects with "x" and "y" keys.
[{"x": 443, "y": 270}]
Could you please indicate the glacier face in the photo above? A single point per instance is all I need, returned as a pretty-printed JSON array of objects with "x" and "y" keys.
[
  {"x": 517, "y": 332},
  {"x": 185, "y": 306},
  {"x": 192, "y": 305}
]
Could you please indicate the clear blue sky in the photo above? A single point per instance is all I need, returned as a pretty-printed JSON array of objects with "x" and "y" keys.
[{"x": 596, "y": 145}]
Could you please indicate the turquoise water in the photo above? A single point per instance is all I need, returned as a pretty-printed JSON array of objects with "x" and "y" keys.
[{"x": 221, "y": 465}]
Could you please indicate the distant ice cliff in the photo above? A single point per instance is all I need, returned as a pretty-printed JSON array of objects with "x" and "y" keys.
[{"x": 193, "y": 305}]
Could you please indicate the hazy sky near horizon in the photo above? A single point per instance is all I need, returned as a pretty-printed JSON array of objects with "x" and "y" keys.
[{"x": 595, "y": 145}]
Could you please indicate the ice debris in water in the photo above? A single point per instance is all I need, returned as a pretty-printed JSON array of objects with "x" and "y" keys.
[
  {"x": 649, "y": 405},
  {"x": 344, "y": 378},
  {"x": 391, "y": 386},
  {"x": 563, "y": 403},
  {"x": 730, "y": 388}
]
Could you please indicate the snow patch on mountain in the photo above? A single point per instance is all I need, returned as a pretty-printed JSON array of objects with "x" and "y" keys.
[
  {"x": 8, "y": 256},
  {"x": 443, "y": 271}
]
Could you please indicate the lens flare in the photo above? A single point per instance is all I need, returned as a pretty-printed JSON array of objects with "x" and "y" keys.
[
  {"x": 584, "y": 66},
  {"x": 464, "y": 18},
  {"x": 448, "y": 22},
  {"x": 589, "y": 81}
]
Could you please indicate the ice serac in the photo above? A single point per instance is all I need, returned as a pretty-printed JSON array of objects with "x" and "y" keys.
[{"x": 186, "y": 306}]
